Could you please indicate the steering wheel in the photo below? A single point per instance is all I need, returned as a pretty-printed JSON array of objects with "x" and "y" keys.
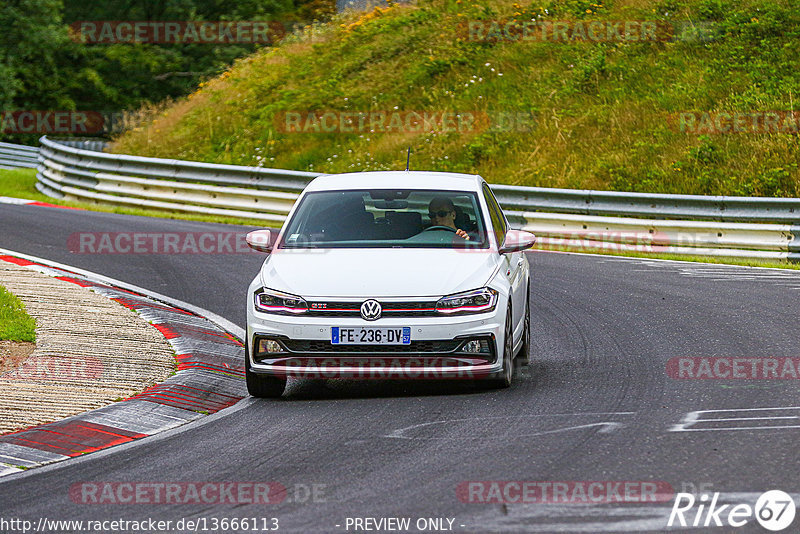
[{"x": 440, "y": 227}]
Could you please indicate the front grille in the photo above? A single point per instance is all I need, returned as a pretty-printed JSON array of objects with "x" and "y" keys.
[
  {"x": 419, "y": 347},
  {"x": 389, "y": 309}
]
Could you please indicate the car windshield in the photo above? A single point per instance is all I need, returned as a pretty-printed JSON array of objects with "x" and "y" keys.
[{"x": 387, "y": 218}]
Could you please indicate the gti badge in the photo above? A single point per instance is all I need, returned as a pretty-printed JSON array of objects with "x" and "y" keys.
[{"x": 371, "y": 310}]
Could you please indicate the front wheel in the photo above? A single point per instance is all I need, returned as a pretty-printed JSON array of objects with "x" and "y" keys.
[
  {"x": 523, "y": 356},
  {"x": 506, "y": 374},
  {"x": 261, "y": 386}
]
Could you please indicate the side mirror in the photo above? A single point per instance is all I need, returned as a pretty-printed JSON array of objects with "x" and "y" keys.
[
  {"x": 260, "y": 240},
  {"x": 517, "y": 240}
]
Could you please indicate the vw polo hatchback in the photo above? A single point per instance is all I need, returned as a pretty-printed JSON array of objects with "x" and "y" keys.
[{"x": 389, "y": 275}]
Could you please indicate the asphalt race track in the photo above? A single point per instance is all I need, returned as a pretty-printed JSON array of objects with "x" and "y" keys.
[{"x": 597, "y": 404}]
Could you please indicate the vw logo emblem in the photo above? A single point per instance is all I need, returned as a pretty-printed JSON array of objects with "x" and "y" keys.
[{"x": 371, "y": 310}]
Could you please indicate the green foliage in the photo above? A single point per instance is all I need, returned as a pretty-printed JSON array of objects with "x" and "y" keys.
[
  {"x": 588, "y": 72},
  {"x": 15, "y": 324},
  {"x": 35, "y": 51},
  {"x": 712, "y": 9},
  {"x": 43, "y": 68},
  {"x": 19, "y": 183},
  {"x": 776, "y": 182},
  {"x": 154, "y": 72}
]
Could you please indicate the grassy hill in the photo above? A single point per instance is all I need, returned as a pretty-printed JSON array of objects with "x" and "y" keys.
[{"x": 600, "y": 114}]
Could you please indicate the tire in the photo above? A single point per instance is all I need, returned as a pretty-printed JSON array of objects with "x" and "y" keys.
[
  {"x": 523, "y": 356},
  {"x": 506, "y": 375},
  {"x": 261, "y": 386}
]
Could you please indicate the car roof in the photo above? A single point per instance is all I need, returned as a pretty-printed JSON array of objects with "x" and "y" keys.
[{"x": 448, "y": 181}]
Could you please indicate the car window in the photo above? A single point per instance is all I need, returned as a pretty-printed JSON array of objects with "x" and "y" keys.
[
  {"x": 389, "y": 218},
  {"x": 496, "y": 214}
]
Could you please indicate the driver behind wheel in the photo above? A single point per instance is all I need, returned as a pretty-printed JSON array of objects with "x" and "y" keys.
[{"x": 442, "y": 212}]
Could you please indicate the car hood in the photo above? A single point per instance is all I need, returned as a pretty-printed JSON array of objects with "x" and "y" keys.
[{"x": 377, "y": 272}]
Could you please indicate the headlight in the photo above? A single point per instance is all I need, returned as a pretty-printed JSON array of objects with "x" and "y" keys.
[
  {"x": 271, "y": 301},
  {"x": 476, "y": 301}
]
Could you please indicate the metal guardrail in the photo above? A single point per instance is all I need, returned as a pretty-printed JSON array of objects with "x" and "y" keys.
[
  {"x": 649, "y": 205},
  {"x": 189, "y": 186},
  {"x": 557, "y": 231},
  {"x": 95, "y": 145},
  {"x": 18, "y": 156},
  {"x": 564, "y": 219}
]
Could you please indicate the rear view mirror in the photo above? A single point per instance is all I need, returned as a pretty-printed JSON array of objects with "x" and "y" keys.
[
  {"x": 391, "y": 204},
  {"x": 260, "y": 240},
  {"x": 517, "y": 240}
]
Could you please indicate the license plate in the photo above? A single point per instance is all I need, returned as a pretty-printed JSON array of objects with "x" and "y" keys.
[{"x": 370, "y": 336}]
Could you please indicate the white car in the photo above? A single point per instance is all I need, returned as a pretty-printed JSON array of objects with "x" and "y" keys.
[{"x": 389, "y": 275}]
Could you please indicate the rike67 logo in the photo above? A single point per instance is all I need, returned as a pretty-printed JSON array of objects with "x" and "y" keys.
[{"x": 774, "y": 510}]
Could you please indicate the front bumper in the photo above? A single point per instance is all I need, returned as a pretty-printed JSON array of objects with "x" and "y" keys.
[{"x": 436, "y": 351}]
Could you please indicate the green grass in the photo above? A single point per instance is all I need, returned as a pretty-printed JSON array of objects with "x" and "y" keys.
[
  {"x": 600, "y": 111},
  {"x": 15, "y": 324},
  {"x": 20, "y": 184}
]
